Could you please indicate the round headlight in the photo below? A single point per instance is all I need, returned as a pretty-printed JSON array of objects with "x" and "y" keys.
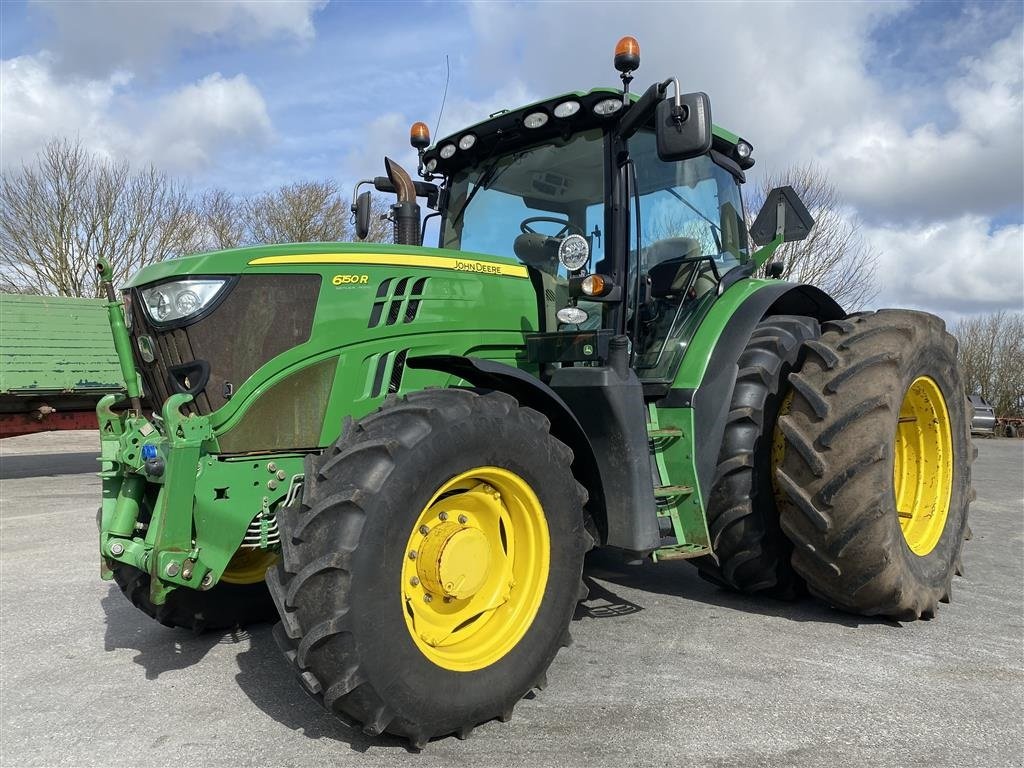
[
  {"x": 159, "y": 305},
  {"x": 607, "y": 107},
  {"x": 432, "y": 164},
  {"x": 573, "y": 252},
  {"x": 743, "y": 150},
  {"x": 535, "y": 119},
  {"x": 187, "y": 302},
  {"x": 572, "y": 316},
  {"x": 467, "y": 141},
  {"x": 567, "y": 109},
  {"x": 446, "y": 151}
]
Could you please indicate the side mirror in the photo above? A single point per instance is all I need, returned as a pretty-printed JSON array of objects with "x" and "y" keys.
[
  {"x": 362, "y": 210},
  {"x": 683, "y": 131},
  {"x": 782, "y": 214}
]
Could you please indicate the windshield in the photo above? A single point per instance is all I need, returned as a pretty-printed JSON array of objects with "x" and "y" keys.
[{"x": 559, "y": 184}]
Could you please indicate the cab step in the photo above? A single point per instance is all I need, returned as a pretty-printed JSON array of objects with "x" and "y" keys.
[
  {"x": 680, "y": 552},
  {"x": 669, "y": 491},
  {"x": 664, "y": 432}
]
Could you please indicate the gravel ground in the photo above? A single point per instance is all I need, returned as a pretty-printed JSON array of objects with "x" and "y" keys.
[{"x": 665, "y": 670}]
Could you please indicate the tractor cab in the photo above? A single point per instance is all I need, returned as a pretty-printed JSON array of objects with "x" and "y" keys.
[{"x": 626, "y": 211}]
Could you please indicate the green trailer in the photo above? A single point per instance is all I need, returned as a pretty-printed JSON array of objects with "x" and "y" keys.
[
  {"x": 56, "y": 362},
  {"x": 403, "y": 452}
]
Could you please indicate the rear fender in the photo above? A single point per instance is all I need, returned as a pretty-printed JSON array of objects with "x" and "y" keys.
[{"x": 710, "y": 400}]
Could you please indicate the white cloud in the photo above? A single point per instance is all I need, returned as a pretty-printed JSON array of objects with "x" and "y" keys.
[
  {"x": 200, "y": 119},
  {"x": 951, "y": 267},
  {"x": 95, "y": 38},
  {"x": 180, "y": 132},
  {"x": 891, "y": 173}
]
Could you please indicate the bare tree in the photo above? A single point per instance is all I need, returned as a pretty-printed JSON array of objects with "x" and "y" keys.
[
  {"x": 69, "y": 208},
  {"x": 991, "y": 354},
  {"x": 834, "y": 256},
  {"x": 223, "y": 217},
  {"x": 306, "y": 211}
]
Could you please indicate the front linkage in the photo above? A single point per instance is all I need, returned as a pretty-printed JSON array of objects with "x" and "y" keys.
[{"x": 172, "y": 508}]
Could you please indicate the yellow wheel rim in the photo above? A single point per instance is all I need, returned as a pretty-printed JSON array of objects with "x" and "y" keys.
[
  {"x": 248, "y": 566},
  {"x": 475, "y": 569},
  {"x": 923, "y": 465}
]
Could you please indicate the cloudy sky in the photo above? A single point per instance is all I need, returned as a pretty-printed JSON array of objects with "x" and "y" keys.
[{"x": 914, "y": 109}]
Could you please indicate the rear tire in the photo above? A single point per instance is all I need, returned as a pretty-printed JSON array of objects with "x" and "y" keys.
[
  {"x": 350, "y": 609},
  {"x": 753, "y": 555},
  {"x": 846, "y": 460}
]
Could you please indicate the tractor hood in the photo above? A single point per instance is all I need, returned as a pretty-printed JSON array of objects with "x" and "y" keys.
[{"x": 280, "y": 343}]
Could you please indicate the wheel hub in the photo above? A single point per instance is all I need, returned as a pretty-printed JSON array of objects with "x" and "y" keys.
[{"x": 454, "y": 560}]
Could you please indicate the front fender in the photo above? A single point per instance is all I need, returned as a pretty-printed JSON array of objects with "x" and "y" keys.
[{"x": 533, "y": 393}]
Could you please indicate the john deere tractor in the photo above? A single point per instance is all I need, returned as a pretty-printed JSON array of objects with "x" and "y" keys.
[{"x": 403, "y": 452}]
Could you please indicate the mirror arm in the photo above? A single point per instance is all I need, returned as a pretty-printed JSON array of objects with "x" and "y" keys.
[
  {"x": 765, "y": 252},
  {"x": 644, "y": 107},
  {"x": 355, "y": 192}
]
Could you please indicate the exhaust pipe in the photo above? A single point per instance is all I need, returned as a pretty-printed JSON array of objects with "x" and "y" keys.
[{"x": 406, "y": 211}]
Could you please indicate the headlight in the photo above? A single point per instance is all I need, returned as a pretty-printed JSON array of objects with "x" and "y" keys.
[
  {"x": 567, "y": 109},
  {"x": 168, "y": 302},
  {"x": 607, "y": 107},
  {"x": 467, "y": 141},
  {"x": 743, "y": 149},
  {"x": 446, "y": 151},
  {"x": 571, "y": 315},
  {"x": 535, "y": 119},
  {"x": 573, "y": 252}
]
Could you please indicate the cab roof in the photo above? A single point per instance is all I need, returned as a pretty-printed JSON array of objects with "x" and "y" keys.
[{"x": 508, "y": 127}]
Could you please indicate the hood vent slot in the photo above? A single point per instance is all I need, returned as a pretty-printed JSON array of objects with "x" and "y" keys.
[
  {"x": 395, "y": 361},
  {"x": 399, "y": 304}
]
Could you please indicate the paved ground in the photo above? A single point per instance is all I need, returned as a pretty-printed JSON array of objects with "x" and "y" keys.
[{"x": 666, "y": 670}]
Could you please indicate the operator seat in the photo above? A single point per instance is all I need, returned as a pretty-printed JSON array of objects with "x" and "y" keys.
[{"x": 668, "y": 276}]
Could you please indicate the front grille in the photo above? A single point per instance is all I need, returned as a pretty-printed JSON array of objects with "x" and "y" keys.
[{"x": 261, "y": 317}]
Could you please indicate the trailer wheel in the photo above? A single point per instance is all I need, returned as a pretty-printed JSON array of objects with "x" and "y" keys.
[
  {"x": 875, "y": 477},
  {"x": 226, "y": 606},
  {"x": 751, "y": 553},
  {"x": 432, "y": 565}
]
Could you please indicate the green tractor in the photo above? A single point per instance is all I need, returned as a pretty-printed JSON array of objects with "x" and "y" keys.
[{"x": 403, "y": 453}]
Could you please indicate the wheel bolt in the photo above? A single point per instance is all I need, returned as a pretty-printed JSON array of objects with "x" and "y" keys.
[
  {"x": 463, "y": 519},
  {"x": 414, "y": 581},
  {"x": 412, "y": 554},
  {"x": 427, "y": 598},
  {"x": 424, "y": 529},
  {"x": 443, "y": 516}
]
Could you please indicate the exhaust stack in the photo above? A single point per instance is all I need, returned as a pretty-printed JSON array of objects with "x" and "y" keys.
[{"x": 406, "y": 211}]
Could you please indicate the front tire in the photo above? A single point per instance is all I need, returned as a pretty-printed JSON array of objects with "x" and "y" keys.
[
  {"x": 876, "y": 478},
  {"x": 225, "y": 606},
  {"x": 438, "y": 502}
]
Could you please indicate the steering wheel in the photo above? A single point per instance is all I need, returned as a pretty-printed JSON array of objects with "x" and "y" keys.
[{"x": 567, "y": 226}]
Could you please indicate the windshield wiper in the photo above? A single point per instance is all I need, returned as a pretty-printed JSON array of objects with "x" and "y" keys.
[
  {"x": 487, "y": 178},
  {"x": 715, "y": 229}
]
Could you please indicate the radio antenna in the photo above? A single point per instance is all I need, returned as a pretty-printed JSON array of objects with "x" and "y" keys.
[{"x": 447, "y": 77}]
